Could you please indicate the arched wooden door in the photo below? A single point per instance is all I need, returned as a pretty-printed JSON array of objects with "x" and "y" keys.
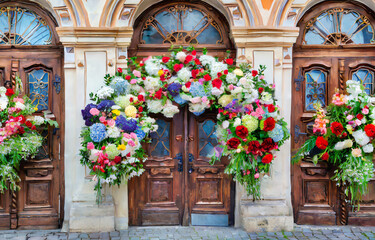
[
  {"x": 29, "y": 48},
  {"x": 179, "y": 186},
  {"x": 336, "y": 43}
]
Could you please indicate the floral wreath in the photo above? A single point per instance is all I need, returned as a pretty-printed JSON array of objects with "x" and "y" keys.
[{"x": 249, "y": 128}]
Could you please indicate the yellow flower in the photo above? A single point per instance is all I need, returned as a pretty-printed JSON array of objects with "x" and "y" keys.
[
  {"x": 160, "y": 72},
  {"x": 131, "y": 111},
  {"x": 116, "y": 112},
  {"x": 225, "y": 100},
  {"x": 36, "y": 109},
  {"x": 238, "y": 72},
  {"x": 121, "y": 147},
  {"x": 114, "y": 118}
]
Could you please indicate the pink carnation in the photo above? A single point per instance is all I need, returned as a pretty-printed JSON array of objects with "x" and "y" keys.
[
  {"x": 137, "y": 73},
  {"x": 90, "y": 146},
  {"x": 365, "y": 111},
  {"x": 94, "y": 111},
  {"x": 20, "y": 100}
]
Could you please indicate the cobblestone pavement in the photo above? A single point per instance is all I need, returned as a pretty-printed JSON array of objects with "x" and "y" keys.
[{"x": 203, "y": 233}]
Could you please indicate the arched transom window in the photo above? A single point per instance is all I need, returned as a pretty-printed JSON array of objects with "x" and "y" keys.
[
  {"x": 21, "y": 26},
  {"x": 339, "y": 26}
]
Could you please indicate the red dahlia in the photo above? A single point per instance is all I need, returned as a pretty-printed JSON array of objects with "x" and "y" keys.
[
  {"x": 269, "y": 124},
  {"x": 229, "y": 61},
  {"x": 321, "y": 143},
  {"x": 242, "y": 131},
  {"x": 233, "y": 143},
  {"x": 254, "y": 147},
  {"x": 325, "y": 156},
  {"x": 267, "y": 158},
  {"x": 267, "y": 145},
  {"x": 337, "y": 128},
  {"x": 9, "y": 92},
  {"x": 217, "y": 83},
  {"x": 370, "y": 130}
]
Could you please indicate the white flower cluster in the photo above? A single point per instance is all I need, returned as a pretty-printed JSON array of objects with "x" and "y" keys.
[
  {"x": 152, "y": 66},
  {"x": 105, "y": 92},
  {"x": 38, "y": 120},
  {"x": 184, "y": 74},
  {"x": 152, "y": 84}
]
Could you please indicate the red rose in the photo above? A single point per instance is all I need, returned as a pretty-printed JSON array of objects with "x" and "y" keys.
[
  {"x": 325, "y": 156},
  {"x": 177, "y": 67},
  {"x": 267, "y": 145},
  {"x": 260, "y": 90},
  {"x": 165, "y": 59},
  {"x": 188, "y": 59},
  {"x": 33, "y": 127},
  {"x": 103, "y": 148},
  {"x": 321, "y": 143},
  {"x": 194, "y": 73},
  {"x": 219, "y": 74},
  {"x": 9, "y": 92},
  {"x": 141, "y": 98},
  {"x": 193, "y": 52},
  {"x": 226, "y": 72},
  {"x": 128, "y": 77},
  {"x": 188, "y": 84},
  {"x": 117, "y": 159},
  {"x": 21, "y": 130},
  {"x": 269, "y": 124},
  {"x": 119, "y": 70},
  {"x": 140, "y": 109},
  {"x": 28, "y": 124},
  {"x": 271, "y": 108},
  {"x": 158, "y": 94},
  {"x": 229, "y": 61},
  {"x": 267, "y": 158},
  {"x": 254, "y": 147},
  {"x": 21, "y": 119},
  {"x": 233, "y": 143},
  {"x": 359, "y": 116},
  {"x": 217, "y": 83},
  {"x": 141, "y": 64},
  {"x": 242, "y": 131},
  {"x": 370, "y": 130},
  {"x": 207, "y": 77},
  {"x": 254, "y": 73},
  {"x": 131, "y": 99},
  {"x": 197, "y": 62},
  {"x": 337, "y": 128}
]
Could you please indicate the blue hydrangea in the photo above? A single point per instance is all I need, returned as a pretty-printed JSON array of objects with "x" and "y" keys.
[
  {"x": 126, "y": 125},
  {"x": 105, "y": 104},
  {"x": 174, "y": 89},
  {"x": 197, "y": 90},
  {"x": 277, "y": 133},
  {"x": 120, "y": 85},
  {"x": 178, "y": 99},
  {"x": 140, "y": 134},
  {"x": 98, "y": 132},
  {"x": 198, "y": 113}
]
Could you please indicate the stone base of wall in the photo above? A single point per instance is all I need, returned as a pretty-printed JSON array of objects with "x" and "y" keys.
[{"x": 264, "y": 215}]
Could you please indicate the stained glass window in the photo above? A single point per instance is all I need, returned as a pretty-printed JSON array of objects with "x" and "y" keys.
[
  {"x": 366, "y": 77},
  {"x": 316, "y": 88},
  {"x": 207, "y": 138},
  {"x": 20, "y": 26},
  {"x": 38, "y": 88},
  {"x": 339, "y": 26},
  {"x": 181, "y": 24},
  {"x": 160, "y": 139}
]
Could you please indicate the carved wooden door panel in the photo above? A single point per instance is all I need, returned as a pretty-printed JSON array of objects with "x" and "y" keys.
[
  {"x": 39, "y": 203},
  {"x": 317, "y": 199},
  {"x": 179, "y": 186},
  {"x": 209, "y": 187}
]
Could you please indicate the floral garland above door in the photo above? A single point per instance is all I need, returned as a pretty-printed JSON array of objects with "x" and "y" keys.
[{"x": 249, "y": 127}]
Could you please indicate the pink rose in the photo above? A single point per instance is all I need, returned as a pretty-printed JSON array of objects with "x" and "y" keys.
[
  {"x": 94, "y": 111},
  {"x": 126, "y": 135},
  {"x": 365, "y": 111},
  {"x": 256, "y": 175},
  {"x": 137, "y": 73},
  {"x": 261, "y": 77},
  {"x": 111, "y": 123},
  {"x": 133, "y": 135},
  {"x": 131, "y": 143},
  {"x": 102, "y": 119},
  {"x": 20, "y": 100},
  {"x": 358, "y": 122},
  {"x": 90, "y": 146},
  {"x": 231, "y": 87},
  {"x": 133, "y": 81},
  {"x": 349, "y": 117}
]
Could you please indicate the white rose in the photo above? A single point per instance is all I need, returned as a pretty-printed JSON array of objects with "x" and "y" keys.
[
  {"x": 20, "y": 106},
  {"x": 184, "y": 74},
  {"x": 360, "y": 137},
  {"x": 217, "y": 92},
  {"x": 344, "y": 144},
  {"x": 225, "y": 124},
  {"x": 237, "y": 122},
  {"x": 170, "y": 110},
  {"x": 155, "y": 106},
  {"x": 266, "y": 98},
  {"x": 369, "y": 148},
  {"x": 181, "y": 56},
  {"x": 93, "y": 155}
]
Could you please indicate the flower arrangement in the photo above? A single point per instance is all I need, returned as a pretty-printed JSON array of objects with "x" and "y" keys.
[
  {"x": 19, "y": 138},
  {"x": 249, "y": 126},
  {"x": 344, "y": 137}
]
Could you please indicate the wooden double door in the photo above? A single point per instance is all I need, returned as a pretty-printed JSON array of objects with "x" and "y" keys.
[
  {"x": 317, "y": 74},
  {"x": 40, "y": 202},
  {"x": 179, "y": 185}
]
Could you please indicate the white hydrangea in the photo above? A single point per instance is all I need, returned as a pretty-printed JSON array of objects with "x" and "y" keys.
[
  {"x": 198, "y": 107},
  {"x": 217, "y": 67},
  {"x": 266, "y": 98},
  {"x": 184, "y": 74},
  {"x": 251, "y": 96},
  {"x": 206, "y": 60},
  {"x": 181, "y": 56},
  {"x": 38, "y": 120},
  {"x": 105, "y": 92},
  {"x": 113, "y": 132},
  {"x": 217, "y": 92},
  {"x": 170, "y": 110},
  {"x": 369, "y": 148},
  {"x": 155, "y": 106},
  {"x": 231, "y": 78},
  {"x": 237, "y": 122},
  {"x": 3, "y": 102},
  {"x": 152, "y": 66},
  {"x": 360, "y": 137},
  {"x": 124, "y": 101},
  {"x": 151, "y": 84},
  {"x": 3, "y": 90}
]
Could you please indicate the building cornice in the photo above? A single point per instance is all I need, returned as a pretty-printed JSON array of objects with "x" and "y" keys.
[
  {"x": 265, "y": 36},
  {"x": 95, "y": 36}
]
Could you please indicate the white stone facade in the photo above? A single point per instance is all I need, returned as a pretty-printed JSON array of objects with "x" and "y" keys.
[{"x": 95, "y": 35}]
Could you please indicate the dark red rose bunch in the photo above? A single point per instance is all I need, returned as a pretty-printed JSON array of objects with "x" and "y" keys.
[
  {"x": 269, "y": 124},
  {"x": 233, "y": 143},
  {"x": 241, "y": 131},
  {"x": 337, "y": 128},
  {"x": 254, "y": 148}
]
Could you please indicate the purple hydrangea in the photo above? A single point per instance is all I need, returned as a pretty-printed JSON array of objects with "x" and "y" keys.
[
  {"x": 86, "y": 112},
  {"x": 174, "y": 89},
  {"x": 105, "y": 104},
  {"x": 233, "y": 106},
  {"x": 126, "y": 125}
]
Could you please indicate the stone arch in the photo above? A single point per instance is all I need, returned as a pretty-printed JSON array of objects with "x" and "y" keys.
[{"x": 239, "y": 13}]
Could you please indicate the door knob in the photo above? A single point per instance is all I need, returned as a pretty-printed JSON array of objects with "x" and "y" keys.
[{"x": 191, "y": 138}]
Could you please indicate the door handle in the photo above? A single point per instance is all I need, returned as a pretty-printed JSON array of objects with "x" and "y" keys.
[
  {"x": 180, "y": 166},
  {"x": 297, "y": 133}
]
